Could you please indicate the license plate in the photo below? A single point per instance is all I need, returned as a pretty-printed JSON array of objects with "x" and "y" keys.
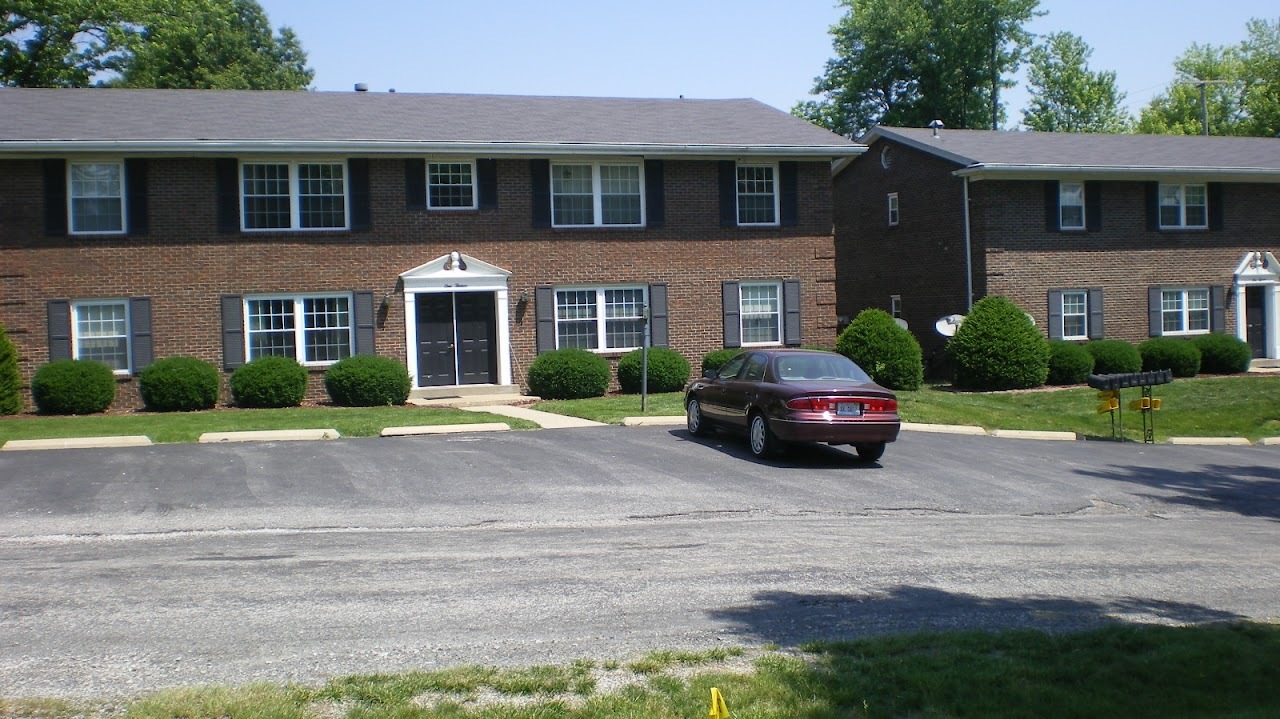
[{"x": 848, "y": 409}]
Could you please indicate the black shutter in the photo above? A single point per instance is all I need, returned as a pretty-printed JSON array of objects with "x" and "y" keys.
[
  {"x": 1093, "y": 206},
  {"x": 732, "y": 314},
  {"x": 1155, "y": 324},
  {"x": 59, "y": 318},
  {"x": 654, "y": 199},
  {"x": 1052, "y": 212},
  {"x": 788, "y": 201},
  {"x": 55, "y": 197},
  {"x": 232, "y": 331},
  {"x": 487, "y": 181},
  {"x": 227, "y": 173},
  {"x": 135, "y": 178},
  {"x": 544, "y": 300},
  {"x": 361, "y": 206},
  {"x": 415, "y": 184},
  {"x": 364, "y": 315},
  {"x": 728, "y": 196},
  {"x": 540, "y": 181},
  {"x": 792, "y": 334},
  {"x": 1153, "y": 207},
  {"x": 1218, "y": 308},
  {"x": 140, "y": 330},
  {"x": 1096, "y": 329},
  {"x": 658, "y": 325},
  {"x": 1216, "y": 210},
  {"x": 1055, "y": 314}
]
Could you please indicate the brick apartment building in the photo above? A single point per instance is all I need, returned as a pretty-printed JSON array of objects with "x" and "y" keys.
[
  {"x": 1118, "y": 236},
  {"x": 459, "y": 234}
]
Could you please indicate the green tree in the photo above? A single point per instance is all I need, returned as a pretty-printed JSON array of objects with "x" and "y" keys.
[
  {"x": 10, "y": 376},
  {"x": 1066, "y": 96},
  {"x": 65, "y": 44},
  {"x": 907, "y": 62}
]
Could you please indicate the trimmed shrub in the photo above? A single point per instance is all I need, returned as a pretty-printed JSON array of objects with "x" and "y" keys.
[
  {"x": 10, "y": 377},
  {"x": 668, "y": 370},
  {"x": 1114, "y": 357},
  {"x": 269, "y": 382},
  {"x": 1069, "y": 363},
  {"x": 719, "y": 358},
  {"x": 998, "y": 347},
  {"x": 1171, "y": 353},
  {"x": 568, "y": 374},
  {"x": 73, "y": 387},
  {"x": 889, "y": 353},
  {"x": 1223, "y": 354},
  {"x": 367, "y": 381},
  {"x": 178, "y": 384}
]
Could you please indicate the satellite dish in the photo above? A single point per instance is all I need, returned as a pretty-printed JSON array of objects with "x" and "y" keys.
[
  {"x": 1029, "y": 317},
  {"x": 900, "y": 322},
  {"x": 947, "y": 325}
]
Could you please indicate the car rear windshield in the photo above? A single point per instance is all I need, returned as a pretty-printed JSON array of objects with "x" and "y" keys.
[{"x": 798, "y": 367}]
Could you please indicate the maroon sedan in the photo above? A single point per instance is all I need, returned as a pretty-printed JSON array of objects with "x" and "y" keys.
[{"x": 776, "y": 396}]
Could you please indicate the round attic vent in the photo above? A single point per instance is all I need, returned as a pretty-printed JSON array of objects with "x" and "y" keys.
[{"x": 886, "y": 157}]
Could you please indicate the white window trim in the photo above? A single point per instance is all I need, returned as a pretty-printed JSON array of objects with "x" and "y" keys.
[
  {"x": 1182, "y": 206},
  {"x": 124, "y": 198},
  {"x": 128, "y": 330},
  {"x": 1186, "y": 312},
  {"x": 742, "y": 315},
  {"x": 299, "y": 323},
  {"x": 600, "y": 318},
  {"x": 597, "y": 202},
  {"x": 894, "y": 212},
  {"x": 295, "y": 206},
  {"x": 777, "y": 196},
  {"x": 1062, "y": 310},
  {"x": 1084, "y": 218},
  {"x": 475, "y": 184}
]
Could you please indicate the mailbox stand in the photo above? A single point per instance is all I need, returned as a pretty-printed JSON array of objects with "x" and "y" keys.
[{"x": 1111, "y": 384}]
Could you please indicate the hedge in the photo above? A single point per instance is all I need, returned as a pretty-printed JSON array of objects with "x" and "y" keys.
[
  {"x": 269, "y": 382},
  {"x": 1114, "y": 357},
  {"x": 10, "y": 376},
  {"x": 367, "y": 381},
  {"x": 73, "y": 387},
  {"x": 1171, "y": 353},
  {"x": 568, "y": 374},
  {"x": 668, "y": 370},
  {"x": 1223, "y": 354},
  {"x": 889, "y": 353},
  {"x": 179, "y": 384},
  {"x": 1069, "y": 363},
  {"x": 998, "y": 347}
]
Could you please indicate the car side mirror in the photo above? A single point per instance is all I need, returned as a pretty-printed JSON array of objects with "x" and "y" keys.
[{"x": 710, "y": 374}]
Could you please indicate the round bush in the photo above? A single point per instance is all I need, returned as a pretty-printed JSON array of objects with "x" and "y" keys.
[
  {"x": 1223, "y": 354},
  {"x": 367, "y": 381},
  {"x": 1171, "y": 353},
  {"x": 998, "y": 347},
  {"x": 668, "y": 370},
  {"x": 1114, "y": 357},
  {"x": 719, "y": 358},
  {"x": 1069, "y": 363},
  {"x": 269, "y": 382},
  {"x": 889, "y": 353},
  {"x": 178, "y": 384},
  {"x": 10, "y": 376},
  {"x": 73, "y": 387},
  {"x": 568, "y": 374}
]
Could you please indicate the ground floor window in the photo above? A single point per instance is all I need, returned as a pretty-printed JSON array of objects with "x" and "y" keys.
[
  {"x": 1184, "y": 311},
  {"x": 310, "y": 329},
  {"x": 600, "y": 318},
  {"x": 761, "y": 312},
  {"x": 1075, "y": 315},
  {"x": 100, "y": 332}
]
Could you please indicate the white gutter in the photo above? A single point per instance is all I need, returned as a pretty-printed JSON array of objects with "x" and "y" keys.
[
  {"x": 968, "y": 253},
  {"x": 982, "y": 171}
]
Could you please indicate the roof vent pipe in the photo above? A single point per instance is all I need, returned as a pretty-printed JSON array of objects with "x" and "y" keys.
[
  {"x": 936, "y": 125},
  {"x": 362, "y": 87}
]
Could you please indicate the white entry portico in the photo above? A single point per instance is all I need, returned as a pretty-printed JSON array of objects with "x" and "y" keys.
[{"x": 1257, "y": 299}]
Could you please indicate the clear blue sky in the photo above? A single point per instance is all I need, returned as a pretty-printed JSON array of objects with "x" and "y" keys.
[{"x": 767, "y": 49}]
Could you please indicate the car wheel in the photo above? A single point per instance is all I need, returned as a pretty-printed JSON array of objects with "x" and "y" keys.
[
  {"x": 698, "y": 425},
  {"x": 763, "y": 442},
  {"x": 870, "y": 452}
]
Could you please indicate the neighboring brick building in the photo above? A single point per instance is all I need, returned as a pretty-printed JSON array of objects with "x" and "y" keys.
[
  {"x": 459, "y": 234},
  {"x": 1119, "y": 236}
]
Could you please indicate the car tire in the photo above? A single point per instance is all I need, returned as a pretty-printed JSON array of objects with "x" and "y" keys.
[
  {"x": 697, "y": 423},
  {"x": 870, "y": 452},
  {"x": 761, "y": 439}
]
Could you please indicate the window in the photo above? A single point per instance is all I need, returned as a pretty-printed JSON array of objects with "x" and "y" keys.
[
  {"x": 1184, "y": 206},
  {"x": 1184, "y": 311},
  {"x": 596, "y": 194},
  {"x": 451, "y": 185},
  {"x": 757, "y": 195},
  {"x": 294, "y": 195},
  {"x": 761, "y": 312},
  {"x": 731, "y": 368},
  {"x": 312, "y": 330},
  {"x": 600, "y": 318},
  {"x": 893, "y": 209},
  {"x": 100, "y": 331},
  {"x": 1071, "y": 205},
  {"x": 895, "y": 306},
  {"x": 1075, "y": 315},
  {"x": 96, "y": 197}
]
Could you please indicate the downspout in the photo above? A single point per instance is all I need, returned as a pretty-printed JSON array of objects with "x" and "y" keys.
[{"x": 968, "y": 255}]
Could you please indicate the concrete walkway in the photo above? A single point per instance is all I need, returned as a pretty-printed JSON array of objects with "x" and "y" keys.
[{"x": 547, "y": 420}]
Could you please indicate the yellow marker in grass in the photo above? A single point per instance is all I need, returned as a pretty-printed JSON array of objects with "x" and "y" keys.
[{"x": 718, "y": 708}]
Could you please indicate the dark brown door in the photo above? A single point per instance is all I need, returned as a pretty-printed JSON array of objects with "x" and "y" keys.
[
  {"x": 457, "y": 334},
  {"x": 1255, "y": 320}
]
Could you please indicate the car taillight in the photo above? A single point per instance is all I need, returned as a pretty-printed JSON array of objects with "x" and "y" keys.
[{"x": 829, "y": 404}]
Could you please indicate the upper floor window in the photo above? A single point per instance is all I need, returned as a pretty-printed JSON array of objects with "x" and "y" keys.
[
  {"x": 761, "y": 312},
  {"x": 451, "y": 185},
  {"x": 1184, "y": 206},
  {"x": 96, "y": 197},
  {"x": 294, "y": 195},
  {"x": 600, "y": 318},
  {"x": 895, "y": 306},
  {"x": 310, "y": 329},
  {"x": 100, "y": 332},
  {"x": 1071, "y": 205},
  {"x": 596, "y": 194},
  {"x": 1184, "y": 311},
  {"x": 757, "y": 195},
  {"x": 893, "y": 209}
]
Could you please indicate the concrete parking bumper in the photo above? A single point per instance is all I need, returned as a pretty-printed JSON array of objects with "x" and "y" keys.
[
  {"x": 77, "y": 443},
  {"x": 269, "y": 435},
  {"x": 445, "y": 429}
]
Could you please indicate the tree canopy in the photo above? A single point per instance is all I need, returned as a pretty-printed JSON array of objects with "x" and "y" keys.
[
  {"x": 907, "y": 62},
  {"x": 148, "y": 43},
  {"x": 1066, "y": 96}
]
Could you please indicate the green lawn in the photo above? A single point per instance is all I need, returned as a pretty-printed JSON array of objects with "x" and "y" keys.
[{"x": 188, "y": 426}]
